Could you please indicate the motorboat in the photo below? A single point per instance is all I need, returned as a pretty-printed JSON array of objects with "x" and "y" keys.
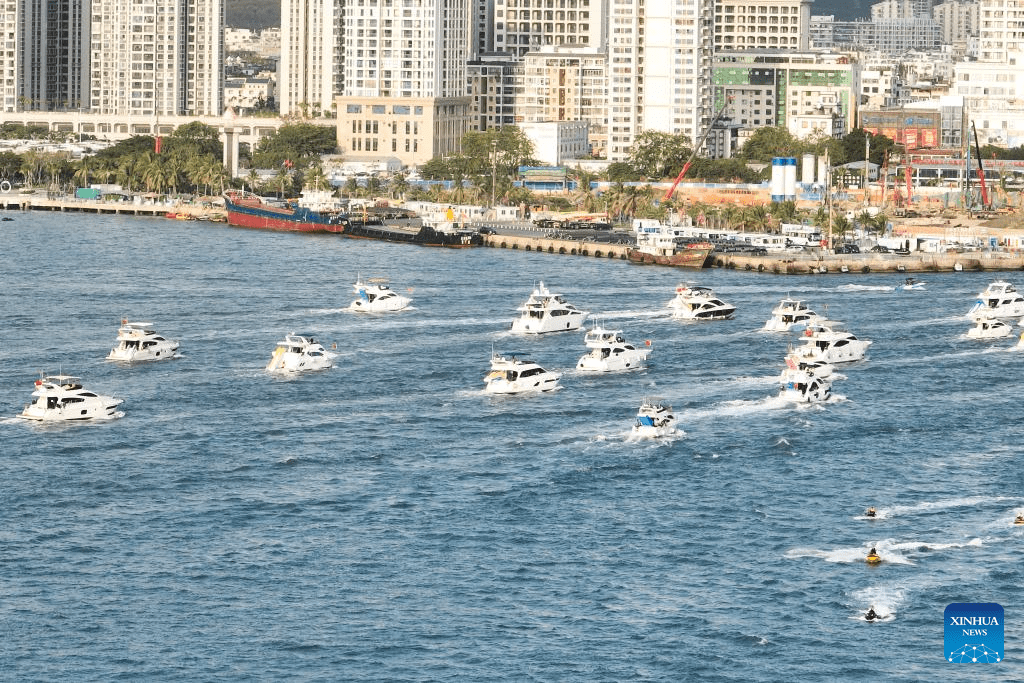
[
  {"x": 825, "y": 341},
  {"x": 989, "y": 328},
  {"x": 788, "y": 314},
  {"x": 654, "y": 419},
  {"x": 139, "y": 342},
  {"x": 512, "y": 375},
  {"x": 699, "y": 303},
  {"x": 796, "y": 363},
  {"x": 610, "y": 352},
  {"x": 803, "y": 386},
  {"x": 911, "y": 284},
  {"x": 873, "y": 557},
  {"x": 300, "y": 353},
  {"x": 546, "y": 311},
  {"x": 999, "y": 300},
  {"x": 375, "y": 296},
  {"x": 62, "y": 398}
]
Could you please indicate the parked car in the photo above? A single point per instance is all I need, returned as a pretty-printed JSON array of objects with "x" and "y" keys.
[
  {"x": 847, "y": 249},
  {"x": 879, "y": 249}
]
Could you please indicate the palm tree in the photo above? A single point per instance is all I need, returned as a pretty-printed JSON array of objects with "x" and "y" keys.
[{"x": 81, "y": 176}]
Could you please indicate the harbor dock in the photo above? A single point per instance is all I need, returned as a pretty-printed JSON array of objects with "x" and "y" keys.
[{"x": 609, "y": 246}]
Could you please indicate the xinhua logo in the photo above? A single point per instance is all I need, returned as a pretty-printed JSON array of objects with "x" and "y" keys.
[{"x": 974, "y": 632}]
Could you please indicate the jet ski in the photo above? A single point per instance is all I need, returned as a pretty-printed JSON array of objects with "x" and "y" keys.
[
  {"x": 871, "y": 615},
  {"x": 873, "y": 557},
  {"x": 870, "y": 512},
  {"x": 1019, "y": 519}
]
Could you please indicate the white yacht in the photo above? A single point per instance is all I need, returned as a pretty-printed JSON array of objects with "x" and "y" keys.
[
  {"x": 61, "y": 398},
  {"x": 299, "y": 353},
  {"x": 825, "y": 341},
  {"x": 989, "y": 328},
  {"x": 654, "y": 419},
  {"x": 999, "y": 300},
  {"x": 375, "y": 296},
  {"x": 545, "y": 311},
  {"x": 610, "y": 352},
  {"x": 788, "y": 314},
  {"x": 138, "y": 342},
  {"x": 699, "y": 303},
  {"x": 512, "y": 375},
  {"x": 820, "y": 368},
  {"x": 803, "y": 386}
]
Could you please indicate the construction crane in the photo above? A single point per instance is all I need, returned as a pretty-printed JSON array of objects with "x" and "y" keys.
[
  {"x": 696, "y": 148},
  {"x": 981, "y": 170}
]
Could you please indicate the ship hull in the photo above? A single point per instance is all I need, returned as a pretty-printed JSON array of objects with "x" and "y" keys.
[
  {"x": 425, "y": 235},
  {"x": 251, "y": 212}
]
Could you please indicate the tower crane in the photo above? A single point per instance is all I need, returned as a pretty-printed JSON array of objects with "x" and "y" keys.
[{"x": 696, "y": 148}]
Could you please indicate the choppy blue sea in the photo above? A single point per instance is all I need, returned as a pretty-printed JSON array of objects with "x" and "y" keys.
[{"x": 385, "y": 520}]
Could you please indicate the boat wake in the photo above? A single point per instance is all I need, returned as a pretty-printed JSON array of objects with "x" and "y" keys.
[
  {"x": 883, "y": 599},
  {"x": 890, "y": 551},
  {"x": 865, "y": 288},
  {"x": 932, "y": 506}
]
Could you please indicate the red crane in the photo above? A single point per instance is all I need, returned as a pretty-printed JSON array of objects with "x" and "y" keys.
[
  {"x": 981, "y": 170},
  {"x": 696, "y": 148}
]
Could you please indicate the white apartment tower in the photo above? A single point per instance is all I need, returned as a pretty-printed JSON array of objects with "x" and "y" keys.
[
  {"x": 1001, "y": 31},
  {"x": 522, "y": 26},
  {"x": 660, "y": 55},
  {"x": 766, "y": 24},
  {"x": 152, "y": 57},
  {"x": 405, "y": 78},
  {"x": 310, "y": 73}
]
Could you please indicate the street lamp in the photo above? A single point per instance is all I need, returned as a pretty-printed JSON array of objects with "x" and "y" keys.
[{"x": 494, "y": 169}]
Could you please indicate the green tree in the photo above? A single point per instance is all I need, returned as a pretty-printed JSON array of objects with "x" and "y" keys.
[
  {"x": 298, "y": 143},
  {"x": 658, "y": 155},
  {"x": 769, "y": 142}
]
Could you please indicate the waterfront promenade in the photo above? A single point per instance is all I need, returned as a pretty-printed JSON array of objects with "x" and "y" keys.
[{"x": 515, "y": 236}]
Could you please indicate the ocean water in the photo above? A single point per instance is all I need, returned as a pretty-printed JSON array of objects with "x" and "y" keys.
[{"x": 386, "y": 520}]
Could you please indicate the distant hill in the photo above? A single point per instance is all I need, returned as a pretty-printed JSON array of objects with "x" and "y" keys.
[
  {"x": 253, "y": 14},
  {"x": 259, "y": 14}
]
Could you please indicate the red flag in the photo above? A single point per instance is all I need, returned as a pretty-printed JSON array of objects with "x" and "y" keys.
[{"x": 159, "y": 141}]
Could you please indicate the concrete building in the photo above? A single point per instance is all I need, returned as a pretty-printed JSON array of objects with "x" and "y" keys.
[
  {"x": 891, "y": 36},
  {"x": 265, "y": 43},
  {"x": 310, "y": 73},
  {"x": 659, "y": 76},
  {"x": 154, "y": 57},
  {"x": 562, "y": 84},
  {"x": 47, "y": 49},
  {"x": 1000, "y": 34},
  {"x": 495, "y": 86},
  {"x": 245, "y": 94},
  {"x": 522, "y": 26},
  {"x": 555, "y": 142},
  {"x": 768, "y": 24},
  {"x": 957, "y": 21},
  {"x": 404, "y": 79}
]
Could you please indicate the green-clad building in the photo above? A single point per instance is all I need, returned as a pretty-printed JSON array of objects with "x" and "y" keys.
[{"x": 807, "y": 93}]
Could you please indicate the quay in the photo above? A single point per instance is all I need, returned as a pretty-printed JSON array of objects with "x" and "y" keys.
[
  {"x": 813, "y": 261},
  {"x": 608, "y": 246},
  {"x": 144, "y": 207}
]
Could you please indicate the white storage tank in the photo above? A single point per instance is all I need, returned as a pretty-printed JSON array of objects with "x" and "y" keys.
[
  {"x": 789, "y": 189},
  {"x": 778, "y": 183}
]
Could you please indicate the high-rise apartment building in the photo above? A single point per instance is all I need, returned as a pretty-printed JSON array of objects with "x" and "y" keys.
[
  {"x": 1001, "y": 31},
  {"x": 766, "y": 24},
  {"x": 51, "y": 49},
  {"x": 404, "y": 78},
  {"x": 311, "y": 71},
  {"x": 152, "y": 57},
  {"x": 659, "y": 70},
  {"x": 957, "y": 20},
  {"x": 522, "y": 26}
]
